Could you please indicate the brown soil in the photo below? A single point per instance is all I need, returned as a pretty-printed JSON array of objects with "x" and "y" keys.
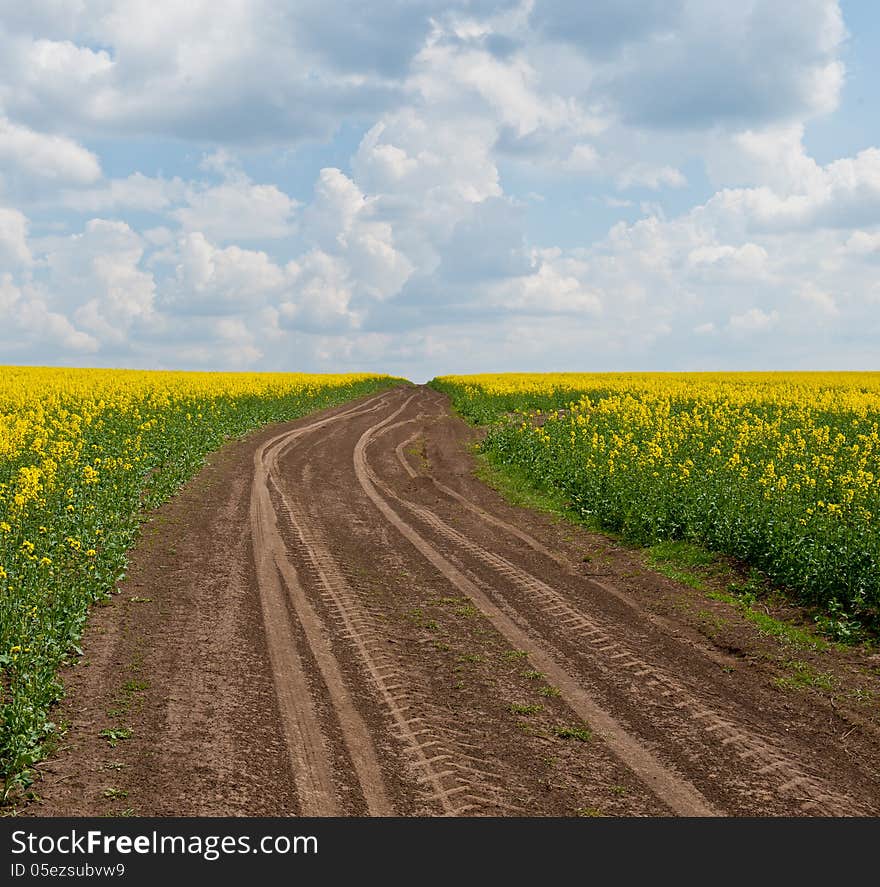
[{"x": 336, "y": 618}]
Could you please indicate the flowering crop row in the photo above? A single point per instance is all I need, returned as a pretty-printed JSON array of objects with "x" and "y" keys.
[{"x": 779, "y": 469}]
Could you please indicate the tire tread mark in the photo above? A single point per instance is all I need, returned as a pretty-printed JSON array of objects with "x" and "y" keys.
[
  {"x": 583, "y": 628},
  {"x": 670, "y": 787},
  {"x": 476, "y": 785}
]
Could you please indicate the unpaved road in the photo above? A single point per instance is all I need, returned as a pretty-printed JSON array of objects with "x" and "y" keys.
[{"x": 336, "y": 618}]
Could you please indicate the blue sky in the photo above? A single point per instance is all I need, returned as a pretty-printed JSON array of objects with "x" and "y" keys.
[{"x": 423, "y": 187}]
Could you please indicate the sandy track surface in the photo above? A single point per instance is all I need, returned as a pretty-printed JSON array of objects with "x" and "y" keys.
[{"x": 337, "y": 618}]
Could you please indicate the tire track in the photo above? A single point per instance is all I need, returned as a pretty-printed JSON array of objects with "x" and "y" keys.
[
  {"x": 446, "y": 776},
  {"x": 563, "y": 563},
  {"x": 669, "y": 786},
  {"x": 277, "y": 582},
  {"x": 612, "y": 656}
]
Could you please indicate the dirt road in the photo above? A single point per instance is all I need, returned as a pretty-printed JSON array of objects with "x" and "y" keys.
[{"x": 336, "y": 618}]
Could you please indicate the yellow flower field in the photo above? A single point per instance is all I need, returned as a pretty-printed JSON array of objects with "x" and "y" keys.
[
  {"x": 82, "y": 454},
  {"x": 779, "y": 469}
]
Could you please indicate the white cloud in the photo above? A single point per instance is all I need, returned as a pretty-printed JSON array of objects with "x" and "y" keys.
[
  {"x": 819, "y": 299},
  {"x": 321, "y": 295},
  {"x": 30, "y": 323},
  {"x": 844, "y": 193},
  {"x": 343, "y": 222},
  {"x": 556, "y": 287},
  {"x": 14, "y": 249},
  {"x": 753, "y": 321},
  {"x": 211, "y": 280},
  {"x": 773, "y": 156},
  {"x": 582, "y": 158},
  {"x": 237, "y": 210},
  {"x": 733, "y": 263},
  {"x": 97, "y": 276},
  {"x": 653, "y": 177},
  {"x": 863, "y": 243},
  {"x": 135, "y": 192},
  {"x": 38, "y": 156}
]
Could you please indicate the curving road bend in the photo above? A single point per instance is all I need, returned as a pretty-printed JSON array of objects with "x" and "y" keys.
[{"x": 417, "y": 646}]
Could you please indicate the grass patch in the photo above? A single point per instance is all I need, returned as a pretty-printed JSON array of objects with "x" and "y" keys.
[
  {"x": 683, "y": 554},
  {"x": 514, "y": 655},
  {"x": 682, "y": 562},
  {"x": 802, "y": 677},
  {"x": 524, "y": 708},
  {"x": 533, "y": 675},
  {"x": 791, "y": 635},
  {"x": 581, "y": 734},
  {"x": 520, "y": 489},
  {"x": 115, "y": 735},
  {"x": 472, "y": 657}
]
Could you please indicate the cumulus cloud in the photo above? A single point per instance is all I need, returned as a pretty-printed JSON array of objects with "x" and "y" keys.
[
  {"x": 476, "y": 221},
  {"x": 753, "y": 321},
  {"x": 732, "y": 263},
  {"x": 652, "y": 177},
  {"x": 819, "y": 299},
  {"x": 863, "y": 243},
  {"x": 14, "y": 249},
  {"x": 135, "y": 192},
  {"x": 237, "y": 209},
  {"x": 98, "y": 276},
  {"x": 212, "y": 280},
  {"x": 28, "y": 155},
  {"x": 714, "y": 64},
  {"x": 231, "y": 70},
  {"x": 557, "y": 286},
  {"x": 30, "y": 322},
  {"x": 583, "y": 157},
  {"x": 844, "y": 193}
]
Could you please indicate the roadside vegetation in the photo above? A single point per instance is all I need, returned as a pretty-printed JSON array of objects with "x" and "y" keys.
[{"x": 778, "y": 470}]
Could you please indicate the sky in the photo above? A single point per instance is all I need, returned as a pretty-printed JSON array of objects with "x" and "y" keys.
[{"x": 420, "y": 187}]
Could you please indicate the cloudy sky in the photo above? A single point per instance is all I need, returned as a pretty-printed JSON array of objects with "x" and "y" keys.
[{"x": 422, "y": 187}]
